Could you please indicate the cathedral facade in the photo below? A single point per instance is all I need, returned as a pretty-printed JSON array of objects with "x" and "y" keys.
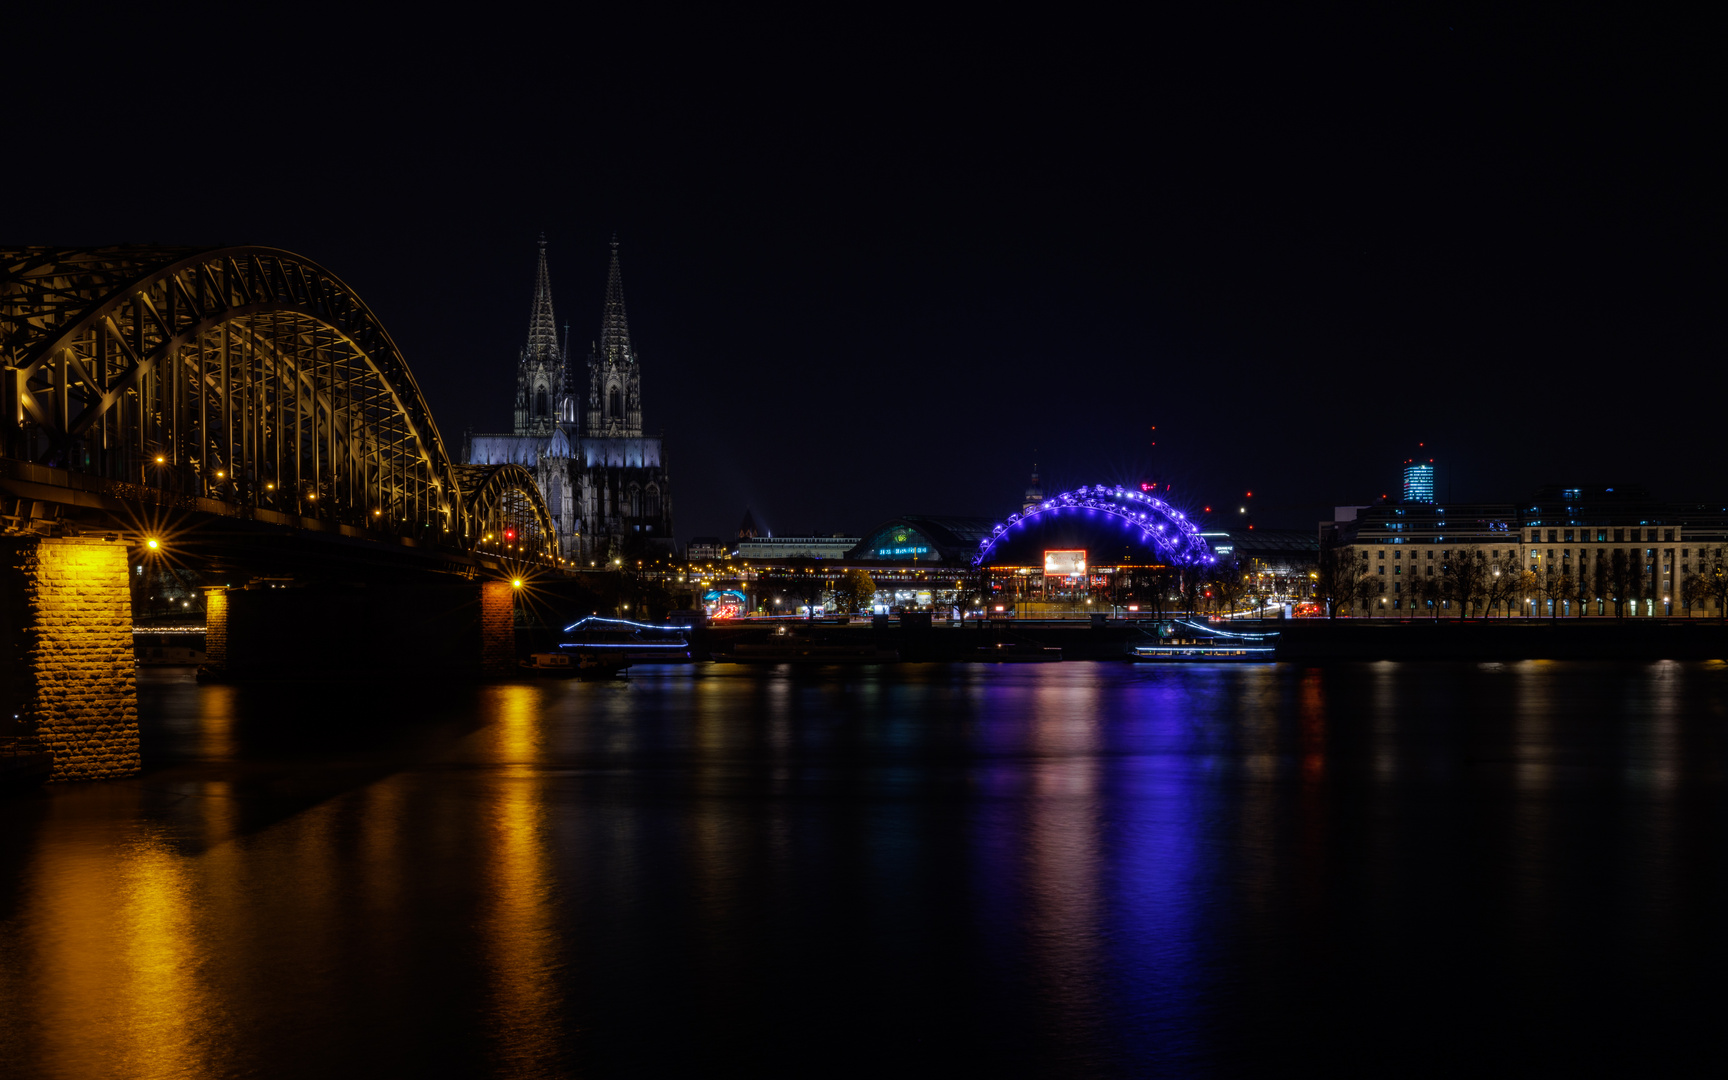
[{"x": 604, "y": 482}]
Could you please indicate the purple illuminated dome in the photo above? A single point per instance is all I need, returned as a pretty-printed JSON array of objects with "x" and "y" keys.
[{"x": 1131, "y": 517}]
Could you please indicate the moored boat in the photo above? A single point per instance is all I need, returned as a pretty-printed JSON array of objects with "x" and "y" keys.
[
  {"x": 1184, "y": 642},
  {"x": 598, "y": 646}
]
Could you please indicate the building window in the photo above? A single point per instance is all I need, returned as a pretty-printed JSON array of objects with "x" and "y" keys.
[
  {"x": 614, "y": 403},
  {"x": 540, "y": 402},
  {"x": 1668, "y": 535}
]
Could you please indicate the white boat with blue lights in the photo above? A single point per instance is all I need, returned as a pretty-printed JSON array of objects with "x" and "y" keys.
[
  {"x": 598, "y": 645},
  {"x": 1184, "y": 642}
]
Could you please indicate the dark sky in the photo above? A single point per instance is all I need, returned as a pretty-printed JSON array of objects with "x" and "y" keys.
[{"x": 882, "y": 268}]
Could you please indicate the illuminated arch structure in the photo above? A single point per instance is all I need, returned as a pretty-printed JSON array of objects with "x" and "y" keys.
[
  {"x": 241, "y": 382},
  {"x": 1136, "y": 522}
]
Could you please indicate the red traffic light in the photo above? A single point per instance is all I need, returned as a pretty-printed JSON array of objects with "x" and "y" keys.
[{"x": 509, "y": 534}]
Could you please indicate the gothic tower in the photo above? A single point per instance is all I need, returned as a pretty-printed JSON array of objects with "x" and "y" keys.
[
  {"x": 541, "y": 397},
  {"x": 614, "y": 384}
]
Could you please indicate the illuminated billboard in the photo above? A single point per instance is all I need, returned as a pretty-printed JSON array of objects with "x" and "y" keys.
[
  {"x": 1065, "y": 563},
  {"x": 723, "y": 603}
]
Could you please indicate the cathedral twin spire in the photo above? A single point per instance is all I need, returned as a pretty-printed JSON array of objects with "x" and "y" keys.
[
  {"x": 542, "y": 396},
  {"x": 542, "y": 326},
  {"x": 614, "y": 326},
  {"x": 545, "y": 394}
]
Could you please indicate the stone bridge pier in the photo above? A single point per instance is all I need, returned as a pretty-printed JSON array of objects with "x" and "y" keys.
[
  {"x": 66, "y": 660},
  {"x": 67, "y": 666}
]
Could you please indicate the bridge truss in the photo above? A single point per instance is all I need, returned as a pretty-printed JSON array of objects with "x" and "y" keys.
[{"x": 243, "y": 381}]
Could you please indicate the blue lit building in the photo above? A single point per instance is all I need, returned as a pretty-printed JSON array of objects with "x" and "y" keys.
[{"x": 1419, "y": 481}]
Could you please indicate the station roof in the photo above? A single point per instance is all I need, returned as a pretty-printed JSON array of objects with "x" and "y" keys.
[{"x": 923, "y": 538}]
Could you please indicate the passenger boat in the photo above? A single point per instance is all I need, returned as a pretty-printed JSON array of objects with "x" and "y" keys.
[
  {"x": 598, "y": 646},
  {"x": 1192, "y": 643}
]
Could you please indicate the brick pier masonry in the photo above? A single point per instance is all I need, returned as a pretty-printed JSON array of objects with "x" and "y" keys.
[{"x": 66, "y": 664}]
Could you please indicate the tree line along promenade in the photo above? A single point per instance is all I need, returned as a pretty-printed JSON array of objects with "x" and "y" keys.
[{"x": 1600, "y": 552}]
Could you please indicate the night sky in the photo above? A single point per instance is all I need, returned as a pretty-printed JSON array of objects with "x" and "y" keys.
[{"x": 881, "y": 268}]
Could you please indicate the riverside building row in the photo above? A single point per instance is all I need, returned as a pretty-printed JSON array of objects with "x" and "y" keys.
[{"x": 1590, "y": 551}]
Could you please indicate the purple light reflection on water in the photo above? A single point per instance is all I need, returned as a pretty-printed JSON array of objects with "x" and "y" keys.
[{"x": 1055, "y": 870}]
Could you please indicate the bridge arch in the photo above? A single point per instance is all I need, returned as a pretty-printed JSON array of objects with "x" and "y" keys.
[
  {"x": 504, "y": 513},
  {"x": 1141, "y": 516},
  {"x": 246, "y": 380}
]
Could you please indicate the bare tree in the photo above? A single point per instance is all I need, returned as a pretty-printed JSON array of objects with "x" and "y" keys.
[
  {"x": 1504, "y": 583},
  {"x": 1341, "y": 572},
  {"x": 1463, "y": 578},
  {"x": 1554, "y": 584},
  {"x": 1621, "y": 581},
  {"x": 1425, "y": 590},
  {"x": 1224, "y": 584},
  {"x": 1368, "y": 589},
  {"x": 1599, "y": 577},
  {"x": 1695, "y": 592},
  {"x": 1192, "y": 587},
  {"x": 1713, "y": 579}
]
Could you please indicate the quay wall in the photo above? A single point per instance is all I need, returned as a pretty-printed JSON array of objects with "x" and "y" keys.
[{"x": 1299, "y": 640}]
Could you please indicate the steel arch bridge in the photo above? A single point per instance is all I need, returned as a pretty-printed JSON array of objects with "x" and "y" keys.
[
  {"x": 1166, "y": 528},
  {"x": 244, "y": 381}
]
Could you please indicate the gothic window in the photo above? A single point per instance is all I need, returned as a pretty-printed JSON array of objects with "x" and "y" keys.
[
  {"x": 635, "y": 501},
  {"x": 540, "y": 402},
  {"x": 614, "y": 403},
  {"x": 652, "y": 507}
]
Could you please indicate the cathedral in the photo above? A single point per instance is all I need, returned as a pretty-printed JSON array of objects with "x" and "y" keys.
[{"x": 604, "y": 483}]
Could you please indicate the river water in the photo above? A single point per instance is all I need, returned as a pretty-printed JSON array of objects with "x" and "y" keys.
[{"x": 1069, "y": 869}]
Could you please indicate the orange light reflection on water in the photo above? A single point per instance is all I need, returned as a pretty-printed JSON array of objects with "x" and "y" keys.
[
  {"x": 519, "y": 921},
  {"x": 115, "y": 979}
]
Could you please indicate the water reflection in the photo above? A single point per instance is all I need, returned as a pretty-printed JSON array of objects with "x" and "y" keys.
[
  {"x": 519, "y": 917},
  {"x": 1070, "y": 869},
  {"x": 113, "y": 962}
]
